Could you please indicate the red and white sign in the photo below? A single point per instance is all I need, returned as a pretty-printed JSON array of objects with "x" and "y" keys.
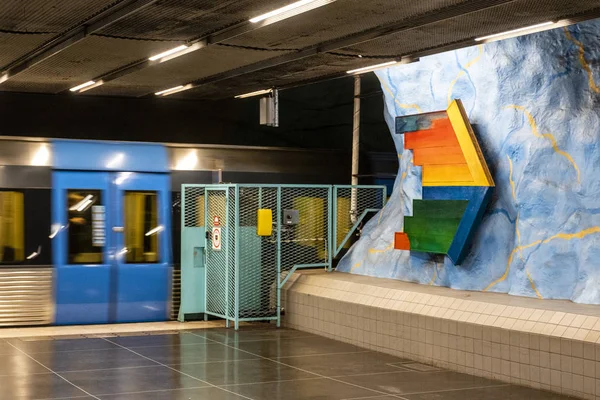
[
  {"x": 216, "y": 238},
  {"x": 217, "y": 221}
]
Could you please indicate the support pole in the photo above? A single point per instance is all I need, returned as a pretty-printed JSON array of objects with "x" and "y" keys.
[{"x": 355, "y": 149}]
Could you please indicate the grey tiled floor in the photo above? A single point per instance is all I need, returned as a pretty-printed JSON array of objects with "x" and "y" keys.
[{"x": 256, "y": 363}]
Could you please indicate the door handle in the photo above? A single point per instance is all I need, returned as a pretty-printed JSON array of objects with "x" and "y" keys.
[{"x": 118, "y": 229}]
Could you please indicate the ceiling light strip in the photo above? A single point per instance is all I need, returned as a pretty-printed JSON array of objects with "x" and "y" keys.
[
  {"x": 371, "y": 68},
  {"x": 531, "y": 28},
  {"x": 252, "y": 94},
  {"x": 82, "y": 86},
  {"x": 290, "y": 10},
  {"x": 168, "y": 52},
  {"x": 174, "y": 90}
]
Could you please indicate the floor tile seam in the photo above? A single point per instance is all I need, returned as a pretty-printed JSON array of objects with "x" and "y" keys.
[
  {"x": 374, "y": 397},
  {"x": 72, "y": 371},
  {"x": 401, "y": 368},
  {"x": 457, "y": 390},
  {"x": 313, "y": 373},
  {"x": 190, "y": 344},
  {"x": 277, "y": 381},
  {"x": 182, "y": 373},
  {"x": 141, "y": 366},
  {"x": 56, "y": 373},
  {"x": 257, "y": 340},
  {"x": 265, "y": 340},
  {"x": 326, "y": 354},
  {"x": 156, "y": 391},
  {"x": 64, "y": 351},
  {"x": 380, "y": 373},
  {"x": 29, "y": 373}
]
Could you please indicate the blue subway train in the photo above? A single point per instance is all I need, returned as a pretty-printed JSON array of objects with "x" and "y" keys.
[{"x": 89, "y": 230}]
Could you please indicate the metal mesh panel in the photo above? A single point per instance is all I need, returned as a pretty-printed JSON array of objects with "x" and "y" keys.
[
  {"x": 335, "y": 20},
  {"x": 229, "y": 245},
  {"x": 352, "y": 206},
  {"x": 244, "y": 277},
  {"x": 307, "y": 241},
  {"x": 194, "y": 206},
  {"x": 465, "y": 27},
  {"x": 81, "y": 62},
  {"x": 187, "y": 19},
  {"x": 48, "y": 15},
  {"x": 304, "y": 70},
  {"x": 217, "y": 289},
  {"x": 196, "y": 65},
  {"x": 14, "y": 46},
  {"x": 257, "y": 254}
]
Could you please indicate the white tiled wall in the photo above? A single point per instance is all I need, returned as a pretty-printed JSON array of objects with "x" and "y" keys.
[{"x": 536, "y": 347}]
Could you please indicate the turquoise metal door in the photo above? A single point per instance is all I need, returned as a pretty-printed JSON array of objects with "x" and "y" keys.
[{"x": 218, "y": 288}]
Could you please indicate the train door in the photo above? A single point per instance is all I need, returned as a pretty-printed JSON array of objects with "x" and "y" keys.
[
  {"x": 111, "y": 232},
  {"x": 82, "y": 249},
  {"x": 142, "y": 235}
]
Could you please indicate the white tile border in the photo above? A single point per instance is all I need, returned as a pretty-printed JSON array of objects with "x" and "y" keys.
[{"x": 551, "y": 349}]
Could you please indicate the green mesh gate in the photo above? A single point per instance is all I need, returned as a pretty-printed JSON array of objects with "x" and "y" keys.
[
  {"x": 244, "y": 272},
  {"x": 217, "y": 260}
]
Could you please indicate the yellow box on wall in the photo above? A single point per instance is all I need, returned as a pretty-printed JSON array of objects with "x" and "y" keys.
[{"x": 264, "y": 222}]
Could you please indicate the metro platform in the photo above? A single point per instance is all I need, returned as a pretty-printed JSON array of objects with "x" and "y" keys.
[{"x": 205, "y": 360}]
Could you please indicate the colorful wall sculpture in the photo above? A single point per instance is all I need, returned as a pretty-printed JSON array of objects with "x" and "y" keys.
[
  {"x": 534, "y": 105},
  {"x": 457, "y": 184}
]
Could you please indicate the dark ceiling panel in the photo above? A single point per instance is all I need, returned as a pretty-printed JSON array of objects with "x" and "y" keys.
[
  {"x": 157, "y": 28},
  {"x": 184, "y": 69},
  {"x": 338, "y": 19},
  {"x": 82, "y": 62},
  {"x": 494, "y": 20},
  {"x": 48, "y": 16},
  {"x": 187, "y": 19},
  {"x": 13, "y": 46},
  {"x": 323, "y": 65}
]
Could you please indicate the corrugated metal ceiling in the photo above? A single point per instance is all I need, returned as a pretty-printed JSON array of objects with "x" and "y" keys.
[
  {"x": 494, "y": 20},
  {"x": 82, "y": 62},
  {"x": 336, "y": 20},
  {"x": 187, "y": 19},
  {"x": 426, "y": 25},
  {"x": 48, "y": 16},
  {"x": 199, "y": 64}
]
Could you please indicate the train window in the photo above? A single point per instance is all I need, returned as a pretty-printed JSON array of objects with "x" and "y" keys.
[
  {"x": 142, "y": 228},
  {"x": 86, "y": 226},
  {"x": 12, "y": 236}
]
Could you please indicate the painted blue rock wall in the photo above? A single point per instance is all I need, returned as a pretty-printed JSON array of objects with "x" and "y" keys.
[{"x": 534, "y": 103}]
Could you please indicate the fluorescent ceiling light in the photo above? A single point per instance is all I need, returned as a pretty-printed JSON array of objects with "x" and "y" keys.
[
  {"x": 3, "y": 78},
  {"x": 371, "y": 68},
  {"x": 175, "y": 89},
  {"x": 82, "y": 86},
  {"x": 85, "y": 89},
  {"x": 168, "y": 52},
  {"x": 508, "y": 33},
  {"x": 155, "y": 230},
  {"x": 290, "y": 10},
  {"x": 252, "y": 94}
]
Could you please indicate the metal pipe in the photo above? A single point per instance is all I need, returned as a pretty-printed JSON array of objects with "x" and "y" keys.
[{"x": 355, "y": 149}]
